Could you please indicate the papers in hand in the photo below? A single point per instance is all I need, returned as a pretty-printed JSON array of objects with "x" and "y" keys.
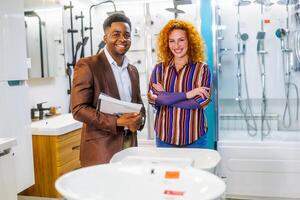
[{"x": 114, "y": 106}]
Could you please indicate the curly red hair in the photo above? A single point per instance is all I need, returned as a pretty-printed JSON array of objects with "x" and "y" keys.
[{"x": 196, "y": 44}]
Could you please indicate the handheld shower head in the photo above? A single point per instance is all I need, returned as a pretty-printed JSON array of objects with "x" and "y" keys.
[
  {"x": 101, "y": 46},
  {"x": 287, "y": 2},
  {"x": 260, "y": 40},
  {"x": 280, "y": 33},
  {"x": 260, "y": 35},
  {"x": 244, "y": 37},
  {"x": 83, "y": 43},
  {"x": 85, "y": 39},
  {"x": 78, "y": 45}
]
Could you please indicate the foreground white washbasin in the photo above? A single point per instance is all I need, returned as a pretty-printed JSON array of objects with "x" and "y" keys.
[
  {"x": 205, "y": 159},
  {"x": 117, "y": 181},
  {"x": 57, "y": 125}
]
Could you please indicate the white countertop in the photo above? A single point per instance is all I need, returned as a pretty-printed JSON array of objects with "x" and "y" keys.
[
  {"x": 57, "y": 125},
  {"x": 7, "y": 143}
]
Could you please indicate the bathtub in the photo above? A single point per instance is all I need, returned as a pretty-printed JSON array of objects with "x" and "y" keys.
[{"x": 260, "y": 169}]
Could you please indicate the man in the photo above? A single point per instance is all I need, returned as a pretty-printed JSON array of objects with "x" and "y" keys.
[{"x": 108, "y": 72}]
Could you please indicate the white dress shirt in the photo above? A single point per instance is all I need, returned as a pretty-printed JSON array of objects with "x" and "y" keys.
[{"x": 122, "y": 76}]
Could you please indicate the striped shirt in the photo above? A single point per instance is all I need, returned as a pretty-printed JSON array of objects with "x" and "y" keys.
[{"x": 180, "y": 121}]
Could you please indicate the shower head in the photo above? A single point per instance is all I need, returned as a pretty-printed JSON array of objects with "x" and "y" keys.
[
  {"x": 280, "y": 33},
  {"x": 85, "y": 39},
  {"x": 30, "y": 14},
  {"x": 83, "y": 43},
  {"x": 175, "y": 10},
  {"x": 78, "y": 45},
  {"x": 115, "y": 12},
  {"x": 182, "y": 2},
  {"x": 264, "y": 2},
  {"x": 241, "y": 2},
  {"x": 287, "y": 2},
  {"x": 260, "y": 35},
  {"x": 101, "y": 45},
  {"x": 244, "y": 36}
]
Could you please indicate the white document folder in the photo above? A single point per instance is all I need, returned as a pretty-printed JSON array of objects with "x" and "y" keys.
[{"x": 115, "y": 106}]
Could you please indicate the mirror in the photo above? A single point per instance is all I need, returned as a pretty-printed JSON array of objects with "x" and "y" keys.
[{"x": 44, "y": 39}]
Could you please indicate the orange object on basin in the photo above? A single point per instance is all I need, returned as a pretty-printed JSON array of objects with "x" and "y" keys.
[{"x": 172, "y": 174}]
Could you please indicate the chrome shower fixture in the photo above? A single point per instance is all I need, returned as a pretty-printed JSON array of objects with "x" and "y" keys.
[
  {"x": 287, "y": 2},
  {"x": 244, "y": 36},
  {"x": 260, "y": 35},
  {"x": 115, "y": 12},
  {"x": 264, "y": 2},
  {"x": 244, "y": 105},
  {"x": 242, "y": 3},
  {"x": 90, "y": 28},
  {"x": 30, "y": 14},
  {"x": 286, "y": 51},
  {"x": 281, "y": 33},
  {"x": 182, "y": 2},
  {"x": 175, "y": 10},
  {"x": 261, "y": 54}
]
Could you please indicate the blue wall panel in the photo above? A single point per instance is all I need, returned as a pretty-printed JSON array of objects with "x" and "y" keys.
[{"x": 206, "y": 31}]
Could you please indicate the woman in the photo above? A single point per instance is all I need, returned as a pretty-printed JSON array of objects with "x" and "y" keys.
[{"x": 179, "y": 87}]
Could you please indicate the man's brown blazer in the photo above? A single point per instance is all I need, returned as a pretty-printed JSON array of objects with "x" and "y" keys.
[{"x": 100, "y": 138}]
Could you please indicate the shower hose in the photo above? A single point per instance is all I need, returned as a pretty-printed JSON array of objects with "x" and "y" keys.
[{"x": 251, "y": 129}]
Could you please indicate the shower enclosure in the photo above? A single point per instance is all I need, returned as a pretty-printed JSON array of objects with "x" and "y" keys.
[{"x": 260, "y": 74}]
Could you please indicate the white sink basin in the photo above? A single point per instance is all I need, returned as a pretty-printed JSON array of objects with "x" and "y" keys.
[
  {"x": 7, "y": 143},
  {"x": 117, "y": 181},
  {"x": 57, "y": 125},
  {"x": 205, "y": 159}
]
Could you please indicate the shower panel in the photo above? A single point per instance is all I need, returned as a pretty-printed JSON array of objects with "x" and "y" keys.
[
  {"x": 261, "y": 52},
  {"x": 297, "y": 36},
  {"x": 241, "y": 39},
  {"x": 266, "y": 160},
  {"x": 287, "y": 64},
  {"x": 266, "y": 94}
]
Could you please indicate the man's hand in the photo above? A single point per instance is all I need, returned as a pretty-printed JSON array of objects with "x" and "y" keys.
[{"x": 130, "y": 120}]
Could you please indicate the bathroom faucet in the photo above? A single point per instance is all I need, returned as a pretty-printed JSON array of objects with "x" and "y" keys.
[{"x": 40, "y": 111}]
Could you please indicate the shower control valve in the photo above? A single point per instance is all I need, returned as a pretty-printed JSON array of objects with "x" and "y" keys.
[
  {"x": 225, "y": 49},
  {"x": 238, "y": 53}
]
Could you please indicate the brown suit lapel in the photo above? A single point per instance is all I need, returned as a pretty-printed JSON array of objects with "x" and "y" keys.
[
  {"x": 134, "y": 83},
  {"x": 111, "y": 81},
  {"x": 109, "y": 77}
]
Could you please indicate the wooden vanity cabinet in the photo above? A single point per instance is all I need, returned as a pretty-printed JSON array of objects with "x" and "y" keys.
[{"x": 54, "y": 155}]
